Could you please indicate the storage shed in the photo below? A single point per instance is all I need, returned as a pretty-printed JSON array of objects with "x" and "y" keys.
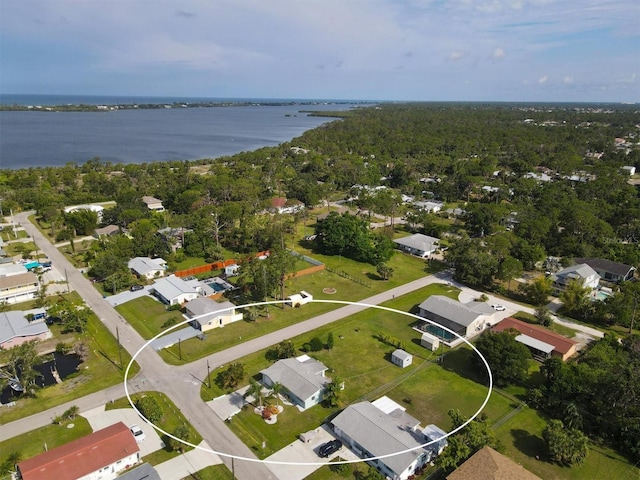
[
  {"x": 401, "y": 358},
  {"x": 430, "y": 342}
]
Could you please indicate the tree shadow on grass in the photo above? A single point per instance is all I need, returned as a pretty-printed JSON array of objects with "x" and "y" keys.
[
  {"x": 530, "y": 445},
  {"x": 462, "y": 361}
]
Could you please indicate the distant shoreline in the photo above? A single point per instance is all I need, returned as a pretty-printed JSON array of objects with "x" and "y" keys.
[{"x": 83, "y": 107}]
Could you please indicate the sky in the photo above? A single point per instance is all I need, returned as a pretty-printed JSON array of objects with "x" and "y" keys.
[{"x": 404, "y": 50}]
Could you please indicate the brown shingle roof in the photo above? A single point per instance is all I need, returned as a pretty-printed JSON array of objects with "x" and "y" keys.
[
  {"x": 82, "y": 456},
  {"x": 20, "y": 280},
  {"x": 561, "y": 344},
  {"x": 487, "y": 464}
]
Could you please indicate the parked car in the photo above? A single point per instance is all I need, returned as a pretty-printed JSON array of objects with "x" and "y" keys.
[
  {"x": 498, "y": 308},
  {"x": 135, "y": 288},
  {"x": 138, "y": 434},
  {"x": 329, "y": 448}
]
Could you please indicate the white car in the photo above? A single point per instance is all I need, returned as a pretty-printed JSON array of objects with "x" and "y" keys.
[
  {"x": 498, "y": 308},
  {"x": 138, "y": 434}
]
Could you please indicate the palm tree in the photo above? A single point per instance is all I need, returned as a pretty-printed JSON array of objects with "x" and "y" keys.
[
  {"x": 276, "y": 388},
  {"x": 255, "y": 391}
]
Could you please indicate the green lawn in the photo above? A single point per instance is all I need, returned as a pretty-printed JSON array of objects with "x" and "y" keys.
[
  {"x": 171, "y": 419},
  {"x": 38, "y": 441},
  {"x": 101, "y": 370},
  {"x": 522, "y": 439},
  {"x": 213, "y": 472}
]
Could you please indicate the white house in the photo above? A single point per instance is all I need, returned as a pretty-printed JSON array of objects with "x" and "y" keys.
[
  {"x": 582, "y": 273},
  {"x": 97, "y": 209},
  {"x": 418, "y": 244},
  {"x": 149, "y": 268},
  {"x": 101, "y": 455},
  {"x": 466, "y": 319},
  {"x": 384, "y": 428},
  {"x": 430, "y": 207},
  {"x": 16, "y": 329},
  {"x": 19, "y": 287},
  {"x": 302, "y": 378},
  {"x": 629, "y": 169},
  {"x": 206, "y": 314},
  {"x": 173, "y": 290}
]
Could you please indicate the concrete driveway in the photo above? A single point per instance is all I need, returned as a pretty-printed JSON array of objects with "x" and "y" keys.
[
  {"x": 301, "y": 452},
  {"x": 98, "y": 418}
]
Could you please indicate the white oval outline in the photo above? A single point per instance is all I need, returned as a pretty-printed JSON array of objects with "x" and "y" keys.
[{"x": 275, "y": 462}]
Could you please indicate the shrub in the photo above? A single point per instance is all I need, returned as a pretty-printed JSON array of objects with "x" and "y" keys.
[
  {"x": 316, "y": 344},
  {"x": 149, "y": 408}
]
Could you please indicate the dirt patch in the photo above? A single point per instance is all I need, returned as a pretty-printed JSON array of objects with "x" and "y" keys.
[{"x": 329, "y": 290}]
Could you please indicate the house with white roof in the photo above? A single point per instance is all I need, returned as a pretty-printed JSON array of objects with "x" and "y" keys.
[
  {"x": 418, "y": 244},
  {"x": 97, "y": 209},
  {"x": 429, "y": 207},
  {"x": 582, "y": 273},
  {"x": 206, "y": 314},
  {"x": 302, "y": 378},
  {"x": 466, "y": 319},
  {"x": 383, "y": 428},
  {"x": 16, "y": 329},
  {"x": 149, "y": 268},
  {"x": 173, "y": 290}
]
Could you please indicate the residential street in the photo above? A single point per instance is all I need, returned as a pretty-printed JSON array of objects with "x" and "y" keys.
[{"x": 182, "y": 384}]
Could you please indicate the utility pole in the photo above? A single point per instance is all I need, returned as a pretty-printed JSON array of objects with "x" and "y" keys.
[
  {"x": 179, "y": 349},
  {"x": 208, "y": 374}
]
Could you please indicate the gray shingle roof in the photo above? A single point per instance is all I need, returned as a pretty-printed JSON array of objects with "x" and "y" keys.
[
  {"x": 380, "y": 434},
  {"x": 301, "y": 378},
  {"x": 14, "y": 324},
  {"x": 172, "y": 286},
  {"x": 459, "y": 313},
  {"x": 418, "y": 241},
  {"x": 144, "y": 265}
]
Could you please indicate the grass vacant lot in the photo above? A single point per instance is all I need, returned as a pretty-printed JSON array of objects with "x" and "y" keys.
[
  {"x": 101, "y": 370},
  {"x": 213, "y": 472},
  {"x": 172, "y": 418},
  {"x": 38, "y": 441}
]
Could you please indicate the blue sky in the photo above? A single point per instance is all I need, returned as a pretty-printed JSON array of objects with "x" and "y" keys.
[{"x": 466, "y": 50}]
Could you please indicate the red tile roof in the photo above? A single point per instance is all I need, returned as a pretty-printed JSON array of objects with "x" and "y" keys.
[
  {"x": 561, "y": 344},
  {"x": 82, "y": 456},
  {"x": 278, "y": 202}
]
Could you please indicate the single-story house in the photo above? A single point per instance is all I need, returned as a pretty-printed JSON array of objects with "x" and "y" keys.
[
  {"x": 543, "y": 342},
  {"x": 153, "y": 203},
  {"x": 487, "y": 464},
  {"x": 97, "y": 209},
  {"x": 629, "y": 169},
  {"x": 207, "y": 314},
  {"x": 19, "y": 288},
  {"x": 302, "y": 379},
  {"x": 299, "y": 299},
  {"x": 384, "y": 428},
  {"x": 466, "y": 319},
  {"x": 609, "y": 270},
  {"x": 429, "y": 207},
  {"x": 401, "y": 358},
  {"x": 107, "y": 231},
  {"x": 173, "y": 290},
  {"x": 16, "y": 329},
  {"x": 418, "y": 244},
  {"x": 10, "y": 269},
  {"x": 149, "y": 268},
  {"x": 99, "y": 455},
  {"x": 582, "y": 272}
]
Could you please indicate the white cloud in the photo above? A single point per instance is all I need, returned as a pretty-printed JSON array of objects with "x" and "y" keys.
[
  {"x": 457, "y": 55},
  {"x": 543, "y": 79},
  {"x": 498, "y": 53},
  {"x": 567, "y": 80}
]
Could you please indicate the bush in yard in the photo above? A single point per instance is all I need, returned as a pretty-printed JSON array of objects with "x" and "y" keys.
[
  {"x": 149, "y": 408},
  {"x": 316, "y": 344}
]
